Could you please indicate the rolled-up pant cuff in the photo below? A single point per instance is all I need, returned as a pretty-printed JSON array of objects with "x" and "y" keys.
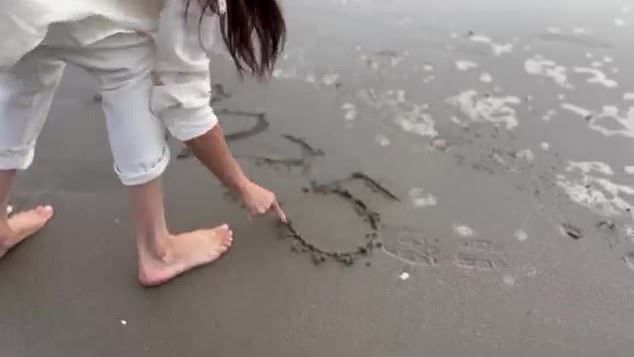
[
  {"x": 146, "y": 172},
  {"x": 16, "y": 159}
]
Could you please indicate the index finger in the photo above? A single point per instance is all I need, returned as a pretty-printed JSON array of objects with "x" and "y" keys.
[{"x": 280, "y": 213}]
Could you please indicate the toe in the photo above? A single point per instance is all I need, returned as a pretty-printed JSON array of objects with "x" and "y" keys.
[{"x": 45, "y": 211}]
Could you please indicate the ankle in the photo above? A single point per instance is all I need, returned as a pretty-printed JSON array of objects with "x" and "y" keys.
[{"x": 153, "y": 246}]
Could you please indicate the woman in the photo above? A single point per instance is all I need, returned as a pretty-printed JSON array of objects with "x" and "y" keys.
[{"x": 150, "y": 57}]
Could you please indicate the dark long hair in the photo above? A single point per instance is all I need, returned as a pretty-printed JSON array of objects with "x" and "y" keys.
[{"x": 254, "y": 32}]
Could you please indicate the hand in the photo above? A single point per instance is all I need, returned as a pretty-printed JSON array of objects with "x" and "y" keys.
[{"x": 259, "y": 201}]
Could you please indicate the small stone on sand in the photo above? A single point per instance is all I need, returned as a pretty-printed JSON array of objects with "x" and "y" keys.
[
  {"x": 404, "y": 276},
  {"x": 439, "y": 144},
  {"x": 124, "y": 322}
]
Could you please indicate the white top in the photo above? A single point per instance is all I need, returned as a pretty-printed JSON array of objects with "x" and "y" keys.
[{"x": 182, "y": 64}]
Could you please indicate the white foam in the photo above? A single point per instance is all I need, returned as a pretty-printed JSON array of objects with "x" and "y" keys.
[
  {"x": 428, "y": 67},
  {"x": 395, "y": 61},
  {"x": 549, "y": 115},
  {"x": 608, "y": 59},
  {"x": 588, "y": 167},
  {"x": 415, "y": 121},
  {"x": 486, "y": 77},
  {"x": 330, "y": 79},
  {"x": 628, "y": 170},
  {"x": 521, "y": 235},
  {"x": 497, "y": 48},
  {"x": 526, "y": 154},
  {"x": 628, "y": 96},
  {"x": 420, "y": 198},
  {"x": 310, "y": 79},
  {"x": 463, "y": 230},
  {"x": 464, "y": 65},
  {"x": 540, "y": 66},
  {"x": 455, "y": 120},
  {"x": 497, "y": 110},
  {"x": 576, "y": 109},
  {"x": 620, "y": 22},
  {"x": 370, "y": 62},
  {"x": 382, "y": 140},
  {"x": 545, "y": 146},
  {"x": 508, "y": 280},
  {"x": 598, "y": 77},
  {"x": 628, "y": 259},
  {"x": 554, "y": 30},
  {"x": 428, "y": 79},
  {"x": 597, "y": 193},
  {"x": 596, "y": 64},
  {"x": 578, "y": 30},
  {"x": 350, "y": 111},
  {"x": 610, "y": 115},
  {"x": 410, "y": 117},
  {"x": 277, "y": 73},
  {"x": 285, "y": 74}
]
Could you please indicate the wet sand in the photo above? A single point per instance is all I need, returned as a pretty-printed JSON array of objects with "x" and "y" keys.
[{"x": 504, "y": 130}]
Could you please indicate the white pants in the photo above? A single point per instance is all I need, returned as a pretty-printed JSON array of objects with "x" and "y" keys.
[{"x": 123, "y": 64}]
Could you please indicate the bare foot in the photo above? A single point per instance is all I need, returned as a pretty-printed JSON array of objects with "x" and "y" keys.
[
  {"x": 23, "y": 225},
  {"x": 184, "y": 252}
]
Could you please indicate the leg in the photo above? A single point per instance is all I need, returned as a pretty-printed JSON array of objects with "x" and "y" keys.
[
  {"x": 26, "y": 93},
  {"x": 163, "y": 256},
  {"x": 123, "y": 65}
]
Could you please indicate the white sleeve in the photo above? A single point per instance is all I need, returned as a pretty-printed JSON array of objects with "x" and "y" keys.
[{"x": 181, "y": 96}]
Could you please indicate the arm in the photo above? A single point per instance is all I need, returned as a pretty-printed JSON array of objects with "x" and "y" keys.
[
  {"x": 181, "y": 98},
  {"x": 212, "y": 151}
]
